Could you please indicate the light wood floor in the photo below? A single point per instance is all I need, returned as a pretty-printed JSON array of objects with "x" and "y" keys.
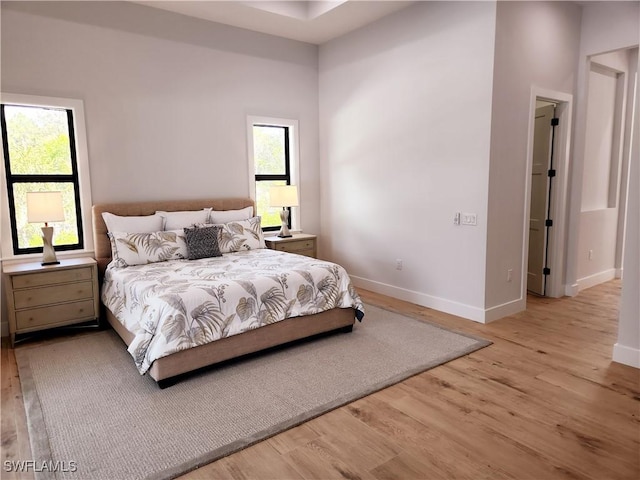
[{"x": 544, "y": 401}]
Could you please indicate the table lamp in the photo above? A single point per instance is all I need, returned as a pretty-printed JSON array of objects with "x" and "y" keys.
[
  {"x": 284, "y": 196},
  {"x": 45, "y": 207}
]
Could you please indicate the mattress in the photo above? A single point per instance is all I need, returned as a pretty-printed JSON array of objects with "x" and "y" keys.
[{"x": 180, "y": 304}]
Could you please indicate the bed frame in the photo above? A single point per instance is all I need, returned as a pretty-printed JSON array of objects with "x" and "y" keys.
[{"x": 166, "y": 370}]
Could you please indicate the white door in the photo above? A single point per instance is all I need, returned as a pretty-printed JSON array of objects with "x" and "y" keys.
[{"x": 542, "y": 139}]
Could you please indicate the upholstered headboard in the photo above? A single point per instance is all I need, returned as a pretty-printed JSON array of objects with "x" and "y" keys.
[{"x": 101, "y": 242}]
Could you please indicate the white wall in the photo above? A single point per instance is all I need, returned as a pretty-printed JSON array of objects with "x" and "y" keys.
[
  {"x": 609, "y": 26},
  {"x": 602, "y": 113},
  {"x": 537, "y": 45},
  {"x": 606, "y": 27},
  {"x": 627, "y": 349},
  {"x": 598, "y": 234},
  {"x": 166, "y": 96},
  {"x": 404, "y": 126}
]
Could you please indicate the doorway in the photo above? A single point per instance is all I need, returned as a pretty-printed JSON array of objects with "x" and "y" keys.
[
  {"x": 547, "y": 187},
  {"x": 542, "y": 180}
]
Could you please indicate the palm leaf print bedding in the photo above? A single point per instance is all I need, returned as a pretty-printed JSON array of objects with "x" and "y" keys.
[{"x": 179, "y": 304}]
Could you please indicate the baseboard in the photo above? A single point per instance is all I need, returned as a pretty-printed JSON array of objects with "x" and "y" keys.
[
  {"x": 4, "y": 329},
  {"x": 626, "y": 355},
  {"x": 619, "y": 272},
  {"x": 596, "y": 279},
  {"x": 454, "y": 308},
  {"x": 500, "y": 311},
  {"x": 571, "y": 290}
]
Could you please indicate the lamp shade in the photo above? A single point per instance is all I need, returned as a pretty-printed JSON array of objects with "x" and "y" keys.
[
  {"x": 283, "y": 196},
  {"x": 44, "y": 207}
]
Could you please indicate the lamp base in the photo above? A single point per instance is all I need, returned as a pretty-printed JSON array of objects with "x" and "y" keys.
[
  {"x": 284, "y": 228},
  {"x": 48, "y": 253}
]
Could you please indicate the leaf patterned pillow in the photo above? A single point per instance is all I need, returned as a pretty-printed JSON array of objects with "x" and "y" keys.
[
  {"x": 241, "y": 235},
  {"x": 141, "y": 248}
]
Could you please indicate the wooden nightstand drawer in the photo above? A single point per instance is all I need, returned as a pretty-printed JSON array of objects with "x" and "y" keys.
[
  {"x": 306, "y": 253},
  {"x": 50, "y": 278},
  {"x": 45, "y": 296},
  {"x": 300, "y": 243},
  {"x": 296, "y": 246},
  {"x": 35, "y": 297},
  {"x": 55, "y": 315}
]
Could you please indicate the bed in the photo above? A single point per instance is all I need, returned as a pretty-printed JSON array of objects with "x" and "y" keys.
[{"x": 237, "y": 339}]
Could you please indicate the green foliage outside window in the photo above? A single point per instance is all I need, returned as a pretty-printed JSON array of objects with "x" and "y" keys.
[
  {"x": 38, "y": 140},
  {"x": 270, "y": 159},
  {"x": 39, "y": 144}
]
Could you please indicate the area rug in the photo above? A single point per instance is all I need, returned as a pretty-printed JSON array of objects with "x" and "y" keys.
[{"x": 91, "y": 415}]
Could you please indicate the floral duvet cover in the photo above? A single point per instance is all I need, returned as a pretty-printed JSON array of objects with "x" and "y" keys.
[{"x": 178, "y": 304}]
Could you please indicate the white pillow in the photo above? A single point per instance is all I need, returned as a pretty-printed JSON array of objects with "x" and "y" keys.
[
  {"x": 145, "y": 224},
  {"x": 226, "y": 216},
  {"x": 184, "y": 219},
  {"x": 149, "y": 247}
]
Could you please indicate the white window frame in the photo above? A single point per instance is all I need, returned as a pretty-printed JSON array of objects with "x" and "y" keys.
[
  {"x": 294, "y": 159},
  {"x": 84, "y": 178}
]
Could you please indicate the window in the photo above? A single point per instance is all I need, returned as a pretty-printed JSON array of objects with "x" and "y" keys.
[
  {"x": 273, "y": 161},
  {"x": 41, "y": 153}
]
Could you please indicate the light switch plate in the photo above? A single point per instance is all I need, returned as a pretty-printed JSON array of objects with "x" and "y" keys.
[{"x": 469, "y": 219}]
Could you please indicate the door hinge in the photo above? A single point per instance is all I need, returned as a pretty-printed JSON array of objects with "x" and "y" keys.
[
  {"x": 548, "y": 223},
  {"x": 551, "y": 173},
  {"x": 555, "y": 122},
  {"x": 546, "y": 271}
]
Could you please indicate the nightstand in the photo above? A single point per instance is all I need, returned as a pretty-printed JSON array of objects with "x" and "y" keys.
[
  {"x": 300, "y": 243},
  {"x": 41, "y": 297}
]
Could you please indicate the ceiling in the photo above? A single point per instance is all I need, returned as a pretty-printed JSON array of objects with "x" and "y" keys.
[{"x": 315, "y": 21}]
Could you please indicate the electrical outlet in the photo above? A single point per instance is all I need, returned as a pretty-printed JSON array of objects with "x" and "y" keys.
[
  {"x": 469, "y": 219},
  {"x": 398, "y": 264},
  {"x": 509, "y": 275}
]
